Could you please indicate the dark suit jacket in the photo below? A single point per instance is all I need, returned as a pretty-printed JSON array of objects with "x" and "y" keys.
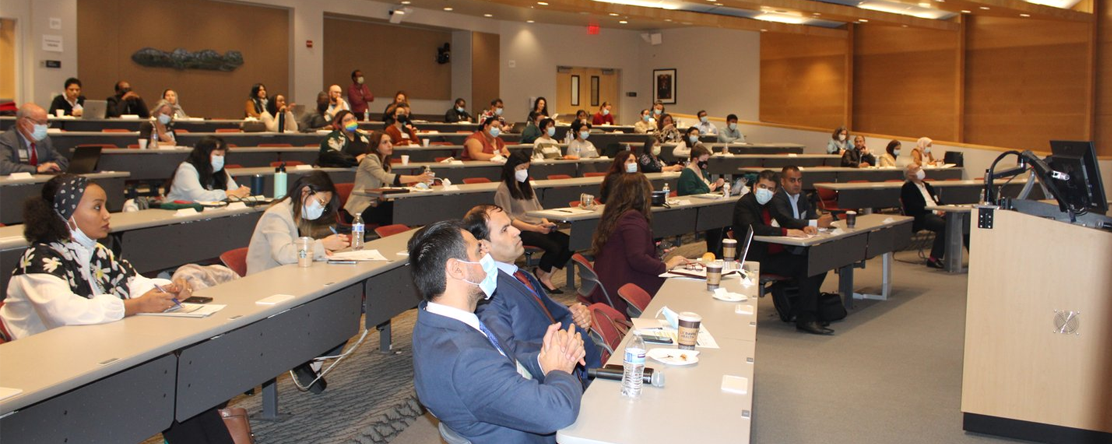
[
  {"x": 117, "y": 107},
  {"x": 513, "y": 313},
  {"x": 629, "y": 255},
  {"x": 61, "y": 103},
  {"x": 477, "y": 392},
  {"x": 747, "y": 212},
  {"x": 853, "y": 158},
  {"x": 11, "y": 143},
  {"x": 453, "y": 116},
  {"x": 913, "y": 203},
  {"x": 782, "y": 210}
]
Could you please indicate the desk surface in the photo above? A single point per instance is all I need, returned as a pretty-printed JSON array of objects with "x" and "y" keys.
[
  {"x": 675, "y": 203},
  {"x": 44, "y": 178},
  {"x": 883, "y": 185},
  {"x": 493, "y": 186},
  {"x": 82, "y": 354},
  {"x": 865, "y": 224},
  {"x": 605, "y": 416}
]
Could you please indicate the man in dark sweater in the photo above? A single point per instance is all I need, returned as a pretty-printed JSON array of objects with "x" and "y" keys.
[
  {"x": 755, "y": 210},
  {"x": 126, "y": 101}
]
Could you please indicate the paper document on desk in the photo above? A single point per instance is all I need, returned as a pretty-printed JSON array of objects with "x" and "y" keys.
[
  {"x": 569, "y": 211},
  {"x": 362, "y": 255},
  {"x": 189, "y": 311},
  {"x": 708, "y": 196},
  {"x": 660, "y": 327}
]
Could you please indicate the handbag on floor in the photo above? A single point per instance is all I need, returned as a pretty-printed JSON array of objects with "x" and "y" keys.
[
  {"x": 783, "y": 297},
  {"x": 831, "y": 307},
  {"x": 235, "y": 418}
]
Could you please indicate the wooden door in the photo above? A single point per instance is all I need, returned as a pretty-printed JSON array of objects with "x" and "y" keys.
[{"x": 585, "y": 89}]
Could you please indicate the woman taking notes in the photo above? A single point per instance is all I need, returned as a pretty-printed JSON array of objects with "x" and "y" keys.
[
  {"x": 202, "y": 178},
  {"x": 516, "y": 196},
  {"x": 374, "y": 172},
  {"x": 623, "y": 243},
  {"x": 309, "y": 208}
]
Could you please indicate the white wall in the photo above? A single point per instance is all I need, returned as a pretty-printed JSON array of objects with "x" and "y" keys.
[
  {"x": 35, "y": 82},
  {"x": 716, "y": 69},
  {"x": 537, "y": 49}
]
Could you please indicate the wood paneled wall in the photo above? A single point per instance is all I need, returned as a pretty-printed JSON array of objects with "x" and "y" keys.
[
  {"x": 392, "y": 58},
  {"x": 485, "y": 64},
  {"x": 804, "y": 80},
  {"x": 906, "y": 81},
  {"x": 1027, "y": 82},
  {"x": 109, "y": 31},
  {"x": 1103, "y": 114},
  {"x": 7, "y": 59}
]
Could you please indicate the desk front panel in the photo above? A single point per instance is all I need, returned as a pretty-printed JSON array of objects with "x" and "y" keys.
[
  {"x": 389, "y": 294},
  {"x": 837, "y": 253},
  {"x": 12, "y": 197},
  {"x": 165, "y": 246}
]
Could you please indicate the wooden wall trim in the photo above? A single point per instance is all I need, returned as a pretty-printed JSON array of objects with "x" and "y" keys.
[{"x": 959, "y": 88}]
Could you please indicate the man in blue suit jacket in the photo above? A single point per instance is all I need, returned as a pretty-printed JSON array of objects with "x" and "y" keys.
[
  {"x": 520, "y": 310},
  {"x": 464, "y": 375}
]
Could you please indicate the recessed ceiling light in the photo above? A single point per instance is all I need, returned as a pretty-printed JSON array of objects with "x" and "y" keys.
[
  {"x": 1025, "y": 15},
  {"x": 529, "y": 21},
  {"x": 984, "y": 8},
  {"x": 488, "y": 15},
  {"x": 904, "y": 26},
  {"x": 668, "y": 20},
  {"x": 406, "y": 2},
  {"x": 764, "y": 30},
  {"x": 622, "y": 22},
  {"x": 816, "y": 14},
  {"x": 542, "y": 3},
  {"x": 613, "y": 14},
  {"x": 863, "y": 20},
  {"x": 447, "y": 8},
  {"x": 966, "y": 11},
  {"x": 924, "y": 4}
]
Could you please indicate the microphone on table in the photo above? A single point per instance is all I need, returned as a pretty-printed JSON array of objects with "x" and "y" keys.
[{"x": 615, "y": 373}]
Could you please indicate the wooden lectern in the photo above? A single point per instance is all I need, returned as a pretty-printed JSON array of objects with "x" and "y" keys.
[{"x": 1038, "y": 330}]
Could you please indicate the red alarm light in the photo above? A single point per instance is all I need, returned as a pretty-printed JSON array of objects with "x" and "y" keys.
[{"x": 592, "y": 29}]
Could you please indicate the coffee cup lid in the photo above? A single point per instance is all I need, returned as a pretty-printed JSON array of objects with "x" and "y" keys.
[
  {"x": 729, "y": 241},
  {"x": 690, "y": 316}
]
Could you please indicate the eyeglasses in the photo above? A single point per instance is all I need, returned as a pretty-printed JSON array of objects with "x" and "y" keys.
[{"x": 319, "y": 201}]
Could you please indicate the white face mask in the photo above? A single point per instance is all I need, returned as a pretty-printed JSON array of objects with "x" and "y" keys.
[
  {"x": 733, "y": 126},
  {"x": 703, "y": 119},
  {"x": 551, "y": 131},
  {"x": 489, "y": 283},
  {"x": 631, "y": 167},
  {"x": 521, "y": 175},
  {"x": 896, "y": 153},
  {"x": 79, "y": 236},
  {"x": 359, "y": 79},
  {"x": 763, "y": 195},
  {"x": 842, "y": 137},
  {"x": 217, "y": 163},
  {"x": 584, "y": 134},
  {"x": 312, "y": 210},
  {"x": 498, "y": 112},
  {"x": 656, "y": 150},
  {"x": 920, "y": 175}
]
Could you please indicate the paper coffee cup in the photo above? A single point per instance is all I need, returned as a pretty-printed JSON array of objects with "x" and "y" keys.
[
  {"x": 851, "y": 219},
  {"x": 688, "y": 333},
  {"x": 714, "y": 275},
  {"x": 405, "y": 159},
  {"x": 425, "y": 143},
  {"x": 143, "y": 143},
  {"x": 729, "y": 249},
  {"x": 60, "y": 112},
  {"x": 305, "y": 252}
]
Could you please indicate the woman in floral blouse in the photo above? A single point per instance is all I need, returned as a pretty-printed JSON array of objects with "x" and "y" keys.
[{"x": 66, "y": 277}]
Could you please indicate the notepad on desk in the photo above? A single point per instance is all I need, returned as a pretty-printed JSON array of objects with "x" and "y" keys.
[
  {"x": 361, "y": 255},
  {"x": 189, "y": 311}
]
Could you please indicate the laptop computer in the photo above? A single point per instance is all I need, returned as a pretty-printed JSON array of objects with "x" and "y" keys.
[
  {"x": 745, "y": 250},
  {"x": 85, "y": 159},
  {"x": 94, "y": 109},
  {"x": 518, "y": 128}
]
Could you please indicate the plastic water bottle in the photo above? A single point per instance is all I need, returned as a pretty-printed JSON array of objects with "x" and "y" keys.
[
  {"x": 726, "y": 189},
  {"x": 367, "y": 115},
  {"x": 633, "y": 367},
  {"x": 357, "y": 232},
  {"x": 666, "y": 191}
]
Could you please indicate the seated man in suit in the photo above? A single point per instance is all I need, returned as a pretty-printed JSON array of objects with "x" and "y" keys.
[
  {"x": 25, "y": 148},
  {"x": 468, "y": 376},
  {"x": 915, "y": 195},
  {"x": 126, "y": 101},
  {"x": 755, "y": 210},
  {"x": 521, "y": 310}
]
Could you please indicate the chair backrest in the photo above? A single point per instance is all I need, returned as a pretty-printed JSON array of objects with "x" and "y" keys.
[
  {"x": 181, "y": 131},
  {"x": 441, "y": 144},
  {"x": 588, "y": 279},
  {"x": 232, "y": 166},
  {"x": 574, "y": 203},
  {"x": 475, "y": 180},
  {"x": 229, "y": 130},
  {"x": 828, "y": 197},
  {"x": 637, "y": 298},
  {"x": 4, "y": 335},
  {"x": 558, "y": 176},
  {"x": 390, "y": 230},
  {"x": 343, "y": 190},
  {"x": 236, "y": 260},
  {"x": 438, "y": 159},
  {"x": 609, "y": 326},
  {"x": 115, "y": 130},
  {"x": 594, "y": 174},
  {"x": 288, "y": 163}
]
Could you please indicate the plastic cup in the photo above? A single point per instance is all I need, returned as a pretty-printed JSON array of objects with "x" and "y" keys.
[
  {"x": 851, "y": 219},
  {"x": 688, "y": 333},
  {"x": 425, "y": 143},
  {"x": 405, "y": 159},
  {"x": 143, "y": 143},
  {"x": 305, "y": 252},
  {"x": 714, "y": 275},
  {"x": 60, "y": 112}
]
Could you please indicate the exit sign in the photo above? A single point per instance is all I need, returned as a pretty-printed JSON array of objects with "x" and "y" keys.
[{"x": 592, "y": 29}]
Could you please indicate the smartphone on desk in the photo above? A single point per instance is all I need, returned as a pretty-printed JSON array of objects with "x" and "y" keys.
[
  {"x": 655, "y": 339},
  {"x": 197, "y": 300}
]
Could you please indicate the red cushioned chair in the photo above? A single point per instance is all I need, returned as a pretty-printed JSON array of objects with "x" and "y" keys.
[
  {"x": 276, "y": 145},
  {"x": 236, "y": 260},
  {"x": 288, "y": 163},
  {"x": 607, "y": 328},
  {"x": 558, "y": 176},
  {"x": 593, "y": 174},
  {"x": 390, "y": 230},
  {"x": 588, "y": 280},
  {"x": 343, "y": 190},
  {"x": 229, "y": 130},
  {"x": 475, "y": 180},
  {"x": 637, "y": 298}
]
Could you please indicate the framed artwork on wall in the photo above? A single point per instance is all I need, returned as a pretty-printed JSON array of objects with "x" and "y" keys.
[{"x": 664, "y": 86}]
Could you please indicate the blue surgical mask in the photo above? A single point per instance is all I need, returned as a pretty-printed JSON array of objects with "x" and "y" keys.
[
  {"x": 896, "y": 153},
  {"x": 584, "y": 134},
  {"x": 733, "y": 126},
  {"x": 703, "y": 119},
  {"x": 631, "y": 167},
  {"x": 217, "y": 163},
  {"x": 693, "y": 139},
  {"x": 498, "y": 112},
  {"x": 646, "y": 117},
  {"x": 494, "y": 132},
  {"x": 551, "y": 131},
  {"x": 656, "y": 111},
  {"x": 312, "y": 210},
  {"x": 490, "y": 282},
  {"x": 459, "y": 109},
  {"x": 164, "y": 119},
  {"x": 38, "y": 132},
  {"x": 605, "y": 112},
  {"x": 763, "y": 195}
]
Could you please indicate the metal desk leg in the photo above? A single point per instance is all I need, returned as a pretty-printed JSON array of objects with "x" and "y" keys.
[
  {"x": 845, "y": 285},
  {"x": 270, "y": 403},
  {"x": 385, "y": 340},
  {"x": 885, "y": 280},
  {"x": 570, "y": 268},
  {"x": 955, "y": 221}
]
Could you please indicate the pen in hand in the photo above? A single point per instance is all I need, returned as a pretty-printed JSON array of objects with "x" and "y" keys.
[{"x": 177, "y": 303}]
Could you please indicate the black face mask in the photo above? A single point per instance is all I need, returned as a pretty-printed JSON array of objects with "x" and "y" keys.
[
  {"x": 123, "y": 91},
  {"x": 703, "y": 165},
  {"x": 403, "y": 119}
]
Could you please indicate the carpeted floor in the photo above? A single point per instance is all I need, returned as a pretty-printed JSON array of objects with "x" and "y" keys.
[{"x": 890, "y": 374}]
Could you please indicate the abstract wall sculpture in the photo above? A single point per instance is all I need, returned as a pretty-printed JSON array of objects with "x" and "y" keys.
[{"x": 206, "y": 59}]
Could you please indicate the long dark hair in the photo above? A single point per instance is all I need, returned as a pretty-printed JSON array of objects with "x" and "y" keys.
[
  {"x": 660, "y": 121},
  {"x": 272, "y": 105},
  {"x": 40, "y": 222},
  {"x": 630, "y": 192},
  {"x": 372, "y": 148},
  {"x": 518, "y": 190},
  {"x": 543, "y": 110},
  {"x": 316, "y": 182},
  {"x": 201, "y": 159},
  {"x": 647, "y": 148},
  {"x": 617, "y": 169},
  {"x": 255, "y": 96}
]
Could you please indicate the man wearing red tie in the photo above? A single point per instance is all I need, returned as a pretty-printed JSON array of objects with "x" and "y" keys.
[{"x": 25, "y": 148}]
